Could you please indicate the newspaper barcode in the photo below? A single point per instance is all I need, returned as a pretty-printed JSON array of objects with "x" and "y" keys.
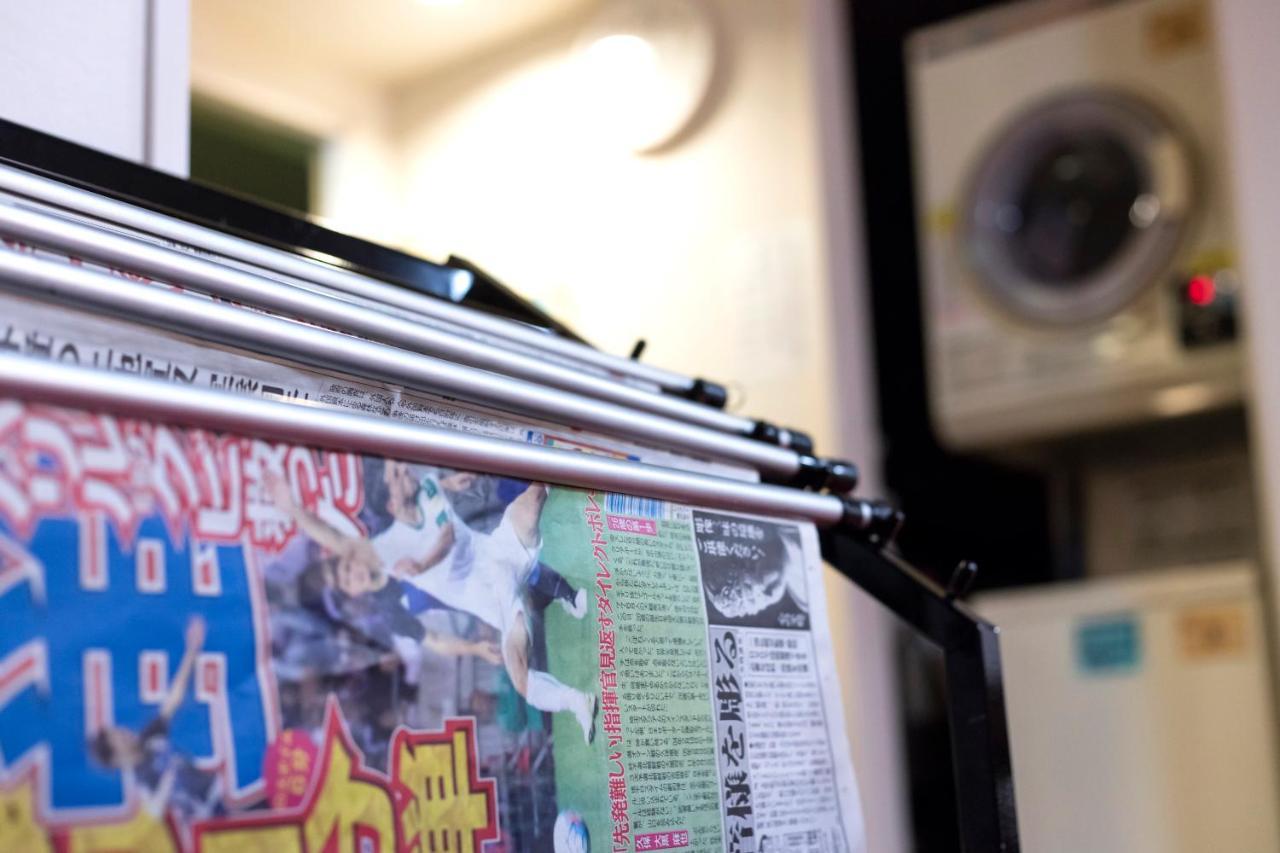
[{"x": 631, "y": 505}]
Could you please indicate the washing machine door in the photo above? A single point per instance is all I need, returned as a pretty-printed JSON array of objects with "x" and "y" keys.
[{"x": 1078, "y": 206}]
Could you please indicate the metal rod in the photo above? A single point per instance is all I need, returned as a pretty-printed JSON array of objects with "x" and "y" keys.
[
  {"x": 318, "y": 272},
  {"x": 96, "y": 244},
  {"x": 62, "y": 214},
  {"x": 131, "y": 396},
  {"x": 219, "y": 323}
]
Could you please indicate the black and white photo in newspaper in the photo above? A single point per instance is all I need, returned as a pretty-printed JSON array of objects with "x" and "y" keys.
[{"x": 785, "y": 774}]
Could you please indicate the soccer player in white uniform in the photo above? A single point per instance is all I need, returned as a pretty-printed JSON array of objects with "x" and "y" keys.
[{"x": 482, "y": 574}]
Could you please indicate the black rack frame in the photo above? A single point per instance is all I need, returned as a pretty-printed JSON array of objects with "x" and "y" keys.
[{"x": 975, "y": 686}]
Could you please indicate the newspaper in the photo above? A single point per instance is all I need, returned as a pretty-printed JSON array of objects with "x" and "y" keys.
[{"x": 213, "y": 642}]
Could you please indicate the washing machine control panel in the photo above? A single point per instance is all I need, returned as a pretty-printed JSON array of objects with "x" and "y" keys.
[{"x": 1207, "y": 309}]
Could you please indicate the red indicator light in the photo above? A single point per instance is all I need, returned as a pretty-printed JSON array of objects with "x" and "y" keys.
[{"x": 1201, "y": 290}]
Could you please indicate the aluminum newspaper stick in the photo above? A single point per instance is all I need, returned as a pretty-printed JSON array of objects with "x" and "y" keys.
[
  {"x": 226, "y": 324},
  {"x": 317, "y": 272},
  {"x": 95, "y": 244},
  {"x": 130, "y": 396}
]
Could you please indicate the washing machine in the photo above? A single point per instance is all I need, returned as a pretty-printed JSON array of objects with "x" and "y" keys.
[{"x": 1075, "y": 229}]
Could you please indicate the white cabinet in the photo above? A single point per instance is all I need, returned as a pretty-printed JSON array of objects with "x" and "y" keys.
[{"x": 110, "y": 74}]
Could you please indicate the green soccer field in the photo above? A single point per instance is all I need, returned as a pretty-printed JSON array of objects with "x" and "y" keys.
[
  {"x": 691, "y": 800},
  {"x": 572, "y": 644}
]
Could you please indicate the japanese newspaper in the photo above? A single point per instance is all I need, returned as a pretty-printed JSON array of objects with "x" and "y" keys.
[{"x": 216, "y": 642}]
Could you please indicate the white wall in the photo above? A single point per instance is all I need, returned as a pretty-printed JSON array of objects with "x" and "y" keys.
[
  {"x": 712, "y": 252},
  {"x": 111, "y": 75},
  {"x": 1250, "y": 31},
  {"x": 862, "y": 631}
]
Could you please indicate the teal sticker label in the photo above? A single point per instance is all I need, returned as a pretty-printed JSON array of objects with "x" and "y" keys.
[{"x": 1112, "y": 645}]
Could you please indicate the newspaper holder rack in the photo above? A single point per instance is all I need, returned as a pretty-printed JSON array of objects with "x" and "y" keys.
[{"x": 856, "y": 534}]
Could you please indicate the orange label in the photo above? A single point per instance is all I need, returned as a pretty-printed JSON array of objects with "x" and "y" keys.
[{"x": 1212, "y": 630}]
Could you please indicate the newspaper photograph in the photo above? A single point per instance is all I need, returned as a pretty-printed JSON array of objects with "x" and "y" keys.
[{"x": 214, "y": 642}]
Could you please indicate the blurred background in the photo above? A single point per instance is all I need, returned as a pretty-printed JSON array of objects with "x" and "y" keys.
[{"x": 1004, "y": 255}]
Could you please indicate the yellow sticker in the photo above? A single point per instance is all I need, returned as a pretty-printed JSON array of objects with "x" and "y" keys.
[
  {"x": 1212, "y": 630},
  {"x": 942, "y": 219},
  {"x": 1211, "y": 260}
]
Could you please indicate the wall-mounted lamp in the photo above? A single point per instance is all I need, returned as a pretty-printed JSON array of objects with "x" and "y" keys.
[{"x": 646, "y": 67}]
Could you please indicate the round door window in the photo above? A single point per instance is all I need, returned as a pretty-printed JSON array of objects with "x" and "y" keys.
[{"x": 1077, "y": 206}]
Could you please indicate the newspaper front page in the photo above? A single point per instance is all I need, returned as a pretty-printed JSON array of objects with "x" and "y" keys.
[{"x": 216, "y": 642}]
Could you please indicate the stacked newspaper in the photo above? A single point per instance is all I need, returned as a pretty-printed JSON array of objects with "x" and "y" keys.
[{"x": 214, "y": 641}]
